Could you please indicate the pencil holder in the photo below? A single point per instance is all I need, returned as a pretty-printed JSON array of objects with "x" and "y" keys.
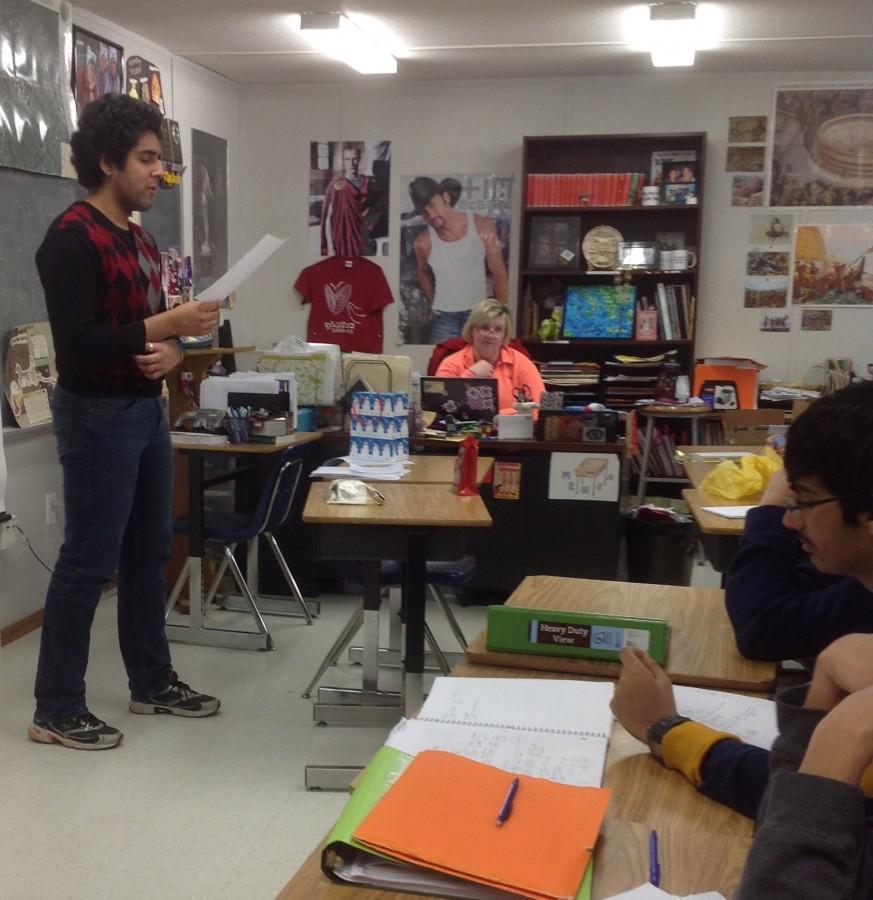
[{"x": 238, "y": 430}]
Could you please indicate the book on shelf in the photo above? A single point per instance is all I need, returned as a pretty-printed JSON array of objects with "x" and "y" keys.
[
  {"x": 581, "y": 189},
  {"x": 472, "y": 737}
]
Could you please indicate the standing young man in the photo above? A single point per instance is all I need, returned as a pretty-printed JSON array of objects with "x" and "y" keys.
[{"x": 114, "y": 341}]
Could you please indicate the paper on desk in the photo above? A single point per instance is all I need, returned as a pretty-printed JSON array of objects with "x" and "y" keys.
[
  {"x": 242, "y": 269},
  {"x": 728, "y": 512},
  {"x": 650, "y": 892},
  {"x": 752, "y": 719}
]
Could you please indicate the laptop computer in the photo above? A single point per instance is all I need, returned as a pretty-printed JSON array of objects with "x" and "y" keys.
[{"x": 465, "y": 399}]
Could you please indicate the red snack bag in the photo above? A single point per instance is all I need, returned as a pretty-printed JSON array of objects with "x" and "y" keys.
[{"x": 465, "y": 468}]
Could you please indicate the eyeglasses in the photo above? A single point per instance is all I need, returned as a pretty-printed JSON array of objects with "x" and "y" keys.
[{"x": 793, "y": 505}]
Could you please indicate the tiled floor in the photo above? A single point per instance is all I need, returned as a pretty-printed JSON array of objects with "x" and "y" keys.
[{"x": 210, "y": 808}]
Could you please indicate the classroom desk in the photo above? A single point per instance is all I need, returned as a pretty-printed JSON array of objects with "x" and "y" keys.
[
  {"x": 719, "y": 536},
  {"x": 431, "y": 469},
  {"x": 196, "y": 631},
  {"x": 416, "y": 523},
  {"x": 702, "y": 650},
  {"x": 697, "y": 469},
  {"x": 702, "y": 844}
]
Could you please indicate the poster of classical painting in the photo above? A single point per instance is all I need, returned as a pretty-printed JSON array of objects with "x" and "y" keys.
[
  {"x": 209, "y": 187},
  {"x": 98, "y": 67},
  {"x": 454, "y": 251},
  {"x": 776, "y": 321},
  {"x": 823, "y": 146},
  {"x": 767, "y": 262},
  {"x": 767, "y": 230},
  {"x": 745, "y": 159},
  {"x": 833, "y": 265},
  {"x": 35, "y": 95},
  {"x": 747, "y": 190},
  {"x": 747, "y": 129},
  {"x": 765, "y": 293},
  {"x": 348, "y": 198},
  {"x": 816, "y": 319}
]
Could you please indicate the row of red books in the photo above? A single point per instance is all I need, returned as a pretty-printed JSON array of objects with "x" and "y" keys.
[{"x": 584, "y": 189}]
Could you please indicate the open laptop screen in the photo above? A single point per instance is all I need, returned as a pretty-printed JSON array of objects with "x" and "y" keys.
[{"x": 466, "y": 399}]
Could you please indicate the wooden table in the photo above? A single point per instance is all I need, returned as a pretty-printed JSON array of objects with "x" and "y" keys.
[
  {"x": 416, "y": 523},
  {"x": 433, "y": 469},
  {"x": 697, "y": 468},
  {"x": 702, "y": 652},
  {"x": 196, "y": 632},
  {"x": 702, "y": 844}
]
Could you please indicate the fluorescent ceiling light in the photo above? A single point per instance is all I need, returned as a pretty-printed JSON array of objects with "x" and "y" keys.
[
  {"x": 338, "y": 37},
  {"x": 672, "y": 32}
]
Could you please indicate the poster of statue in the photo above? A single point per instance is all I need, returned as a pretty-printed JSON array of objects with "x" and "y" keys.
[
  {"x": 454, "y": 251},
  {"x": 35, "y": 95},
  {"x": 209, "y": 183},
  {"x": 823, "y": 146},
  {"x": 349, "y": 185},
  {"x": 833, "y": 265}
]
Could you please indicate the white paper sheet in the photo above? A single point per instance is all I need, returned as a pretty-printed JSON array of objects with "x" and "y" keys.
[
  {"x": 728, "y": 512},
  {"x": 242, "y": 269},
  {"x": 650, "y": 892},
  {"x": 753, "y": 719}
]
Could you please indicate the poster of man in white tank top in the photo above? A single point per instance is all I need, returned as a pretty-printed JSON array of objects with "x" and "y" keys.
[{"x": 454, "y": 251}]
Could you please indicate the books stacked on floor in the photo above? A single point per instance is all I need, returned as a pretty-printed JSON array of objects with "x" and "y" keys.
[
  {"x": 580, "y": 380},
  {"x": 675, "y": 305},
  {"x": 661, "y": 457},
  {"x": 584, "y": 189},
  {"x": 629, "y": 380}
]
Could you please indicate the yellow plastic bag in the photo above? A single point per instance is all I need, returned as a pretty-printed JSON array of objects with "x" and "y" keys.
[{"x": 737, "y": 479}]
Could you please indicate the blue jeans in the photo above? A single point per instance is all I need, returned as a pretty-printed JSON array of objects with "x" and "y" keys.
[
  {"x": 445, "y": 325},
  {"x": 118, "y": 483}
]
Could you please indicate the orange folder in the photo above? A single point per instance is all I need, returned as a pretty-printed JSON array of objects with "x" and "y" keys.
[{"x": 441, "y": 814}]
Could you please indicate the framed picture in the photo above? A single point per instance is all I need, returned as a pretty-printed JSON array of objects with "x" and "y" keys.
[
  {"x": 662, "y": 157},
  {"x": 98, "y": 67},
  {"x": 599, "y": 311},
  {"x": 554, "y": 243},
  {"x": 679, "y": 182}
]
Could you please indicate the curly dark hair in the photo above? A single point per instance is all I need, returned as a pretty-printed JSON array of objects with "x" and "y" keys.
[
  {"x": 833, "y": 441},
  {"x": 109, "y": 128}
]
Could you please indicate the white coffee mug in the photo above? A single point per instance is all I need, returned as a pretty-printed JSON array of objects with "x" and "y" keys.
[
  {"x": 651, "y": 196},
  {"x": 678, "y": 260}
]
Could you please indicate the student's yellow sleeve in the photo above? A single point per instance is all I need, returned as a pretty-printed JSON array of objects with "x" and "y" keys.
[{"x": 685, "y": 747}]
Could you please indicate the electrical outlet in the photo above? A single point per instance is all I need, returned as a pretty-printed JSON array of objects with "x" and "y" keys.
[
  {"x": 51, "y": 516},
  {"x": 8, "y": 534}
]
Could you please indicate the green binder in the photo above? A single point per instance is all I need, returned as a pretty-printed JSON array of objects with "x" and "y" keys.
[{"x": 582, "y": 635}]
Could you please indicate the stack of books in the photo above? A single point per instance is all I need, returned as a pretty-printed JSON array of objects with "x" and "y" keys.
[
  {"x": 581, "y": 379},
  {"x": 584, "y": 189},
  {"x": 629, "y": 380},
  {"x": 675, "y": 305}
]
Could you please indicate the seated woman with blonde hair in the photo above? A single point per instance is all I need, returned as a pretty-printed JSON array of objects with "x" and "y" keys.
[{"x": 486, "y": 356}]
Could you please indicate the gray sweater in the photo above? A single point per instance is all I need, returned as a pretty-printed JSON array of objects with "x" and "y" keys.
[{"x": 813, "y": 841}]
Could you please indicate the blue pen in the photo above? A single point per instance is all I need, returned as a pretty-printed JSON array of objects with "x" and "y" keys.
[
  {"x": 506, "y": 809},
  {"x": 654, "y": 867}
]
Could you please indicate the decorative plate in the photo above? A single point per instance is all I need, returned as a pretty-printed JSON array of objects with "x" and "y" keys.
[{"x": 600, "y": 247}]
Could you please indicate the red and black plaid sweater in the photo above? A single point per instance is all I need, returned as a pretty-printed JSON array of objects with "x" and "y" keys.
[{"x": 101, "y": 282}]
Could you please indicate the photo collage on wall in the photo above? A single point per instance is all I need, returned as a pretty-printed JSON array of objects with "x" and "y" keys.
[
  {"x": 747, "y": 137},
  {"x": 349, "y": 185},
  {"x": 454, "y": 251}
]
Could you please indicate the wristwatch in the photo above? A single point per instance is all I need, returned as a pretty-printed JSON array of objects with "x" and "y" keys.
[{"x": 656, "y": 731}]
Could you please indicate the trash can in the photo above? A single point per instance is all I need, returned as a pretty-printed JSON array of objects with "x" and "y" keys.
[{"x": 660, "y": 552}]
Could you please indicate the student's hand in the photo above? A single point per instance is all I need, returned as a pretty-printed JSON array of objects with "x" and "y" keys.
[
  {"x": 841, "y": 746},
  {"x": 777, "y": 491},
  {"x": 842, "y": 668},
  {"x": 643, "y": 694},
  {"x": 160, "y": 357},
  {"x": 482, "y": 368},
  {"x": 776, "y": 442},
  {"x": 196, "y": 318}
]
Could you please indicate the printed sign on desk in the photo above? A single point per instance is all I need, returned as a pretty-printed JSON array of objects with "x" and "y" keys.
[
  {"x": 584, "y": 476},
  {"x": 507, "y": 480}
]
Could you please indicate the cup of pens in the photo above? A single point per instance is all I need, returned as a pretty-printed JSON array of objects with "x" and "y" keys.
[{"x": 238, "y": 424}]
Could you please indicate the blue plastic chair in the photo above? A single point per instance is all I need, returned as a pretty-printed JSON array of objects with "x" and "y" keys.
[{"x": 231, "y": 529}]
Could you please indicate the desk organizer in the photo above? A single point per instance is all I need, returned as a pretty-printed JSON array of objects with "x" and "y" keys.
[{"x": 581, "y": 635}]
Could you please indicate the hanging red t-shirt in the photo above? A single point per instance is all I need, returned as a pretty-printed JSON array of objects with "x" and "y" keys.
[{"x": 347, "y": 295}]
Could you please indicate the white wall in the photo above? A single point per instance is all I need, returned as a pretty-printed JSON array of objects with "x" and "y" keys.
[
  {"x": 477, "y": 126},
  {"x": 196, "y": 98}
]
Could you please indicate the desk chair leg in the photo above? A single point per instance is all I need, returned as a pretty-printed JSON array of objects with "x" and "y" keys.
[
  {"x": 345, "y": 637},
  {"x": 644, "y": 463},
  {"x": 440, "y": 598},
  {"x": 216, "y": 581},
  {"x": 289, "y": 578},
  {"x": 244, "y": 590},
  {"x": 435, "y": 649},
  {"x": 175, "y": 593}
]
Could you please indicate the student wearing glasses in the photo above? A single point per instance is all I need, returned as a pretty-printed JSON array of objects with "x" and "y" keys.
[
  {"x": 803, "y": 578},
  {"x": 486, "y": 355}
]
